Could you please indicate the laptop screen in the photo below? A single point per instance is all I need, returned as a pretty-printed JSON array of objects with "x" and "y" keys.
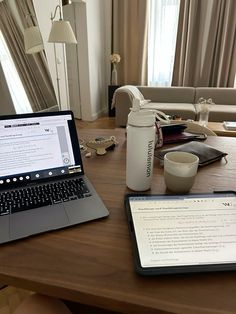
[{"x": 38, "y": 146}]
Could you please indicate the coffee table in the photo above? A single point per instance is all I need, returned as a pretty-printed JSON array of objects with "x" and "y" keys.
[
  {"x": 216, "y": 127},
  {"x": 219, "y": 129}
]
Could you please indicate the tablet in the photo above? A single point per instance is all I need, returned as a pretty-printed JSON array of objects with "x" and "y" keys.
[{"x": 182, "y": 233}]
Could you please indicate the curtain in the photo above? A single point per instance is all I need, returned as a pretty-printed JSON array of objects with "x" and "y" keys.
[
  {"x": 7, "y": 106},
  {"x": 33, "y": 69},
  {"x": 130, "y": 30},
  {"x": 206, "y": 44},
  {"x": 162, "y": 41}
]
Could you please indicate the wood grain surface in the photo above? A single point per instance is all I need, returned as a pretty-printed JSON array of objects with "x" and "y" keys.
[{"x": 92, "y": 263}]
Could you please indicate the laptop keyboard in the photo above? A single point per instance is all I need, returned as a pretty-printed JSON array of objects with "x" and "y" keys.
[{"x": 42, "y": 195}]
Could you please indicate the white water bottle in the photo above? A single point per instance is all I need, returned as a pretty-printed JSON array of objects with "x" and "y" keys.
[{"x": 141, "y": 137}]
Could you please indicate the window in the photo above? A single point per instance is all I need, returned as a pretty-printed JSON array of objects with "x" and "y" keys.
[
  {"x": 18, "y": 95},
  {"x": 163, "y": 25}
]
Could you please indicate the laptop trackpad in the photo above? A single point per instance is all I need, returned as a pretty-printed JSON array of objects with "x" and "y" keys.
[{"x": 26, "y": 223}]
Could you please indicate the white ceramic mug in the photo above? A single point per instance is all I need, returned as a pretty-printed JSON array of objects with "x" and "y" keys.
[{"x": 180, "y": 169}]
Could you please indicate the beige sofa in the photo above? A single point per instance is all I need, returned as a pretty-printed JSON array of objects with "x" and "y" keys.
[{"x": 181, "y": 101}]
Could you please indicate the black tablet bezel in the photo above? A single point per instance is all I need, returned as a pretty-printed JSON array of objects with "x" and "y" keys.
[{"x": 150, "y": 271}]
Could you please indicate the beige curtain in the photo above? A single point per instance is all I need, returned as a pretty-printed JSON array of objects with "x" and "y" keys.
[
  {"x": 6, "y": 104},
  {"x": 206, "y": 44},
  {"x": 130, "y": 40},
  {"x": 33, "y": 69}
]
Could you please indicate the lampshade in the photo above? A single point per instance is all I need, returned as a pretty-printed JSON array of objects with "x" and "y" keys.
[
  {"x": 33, "y": 40},
  {"x": 62, "y": 32}
]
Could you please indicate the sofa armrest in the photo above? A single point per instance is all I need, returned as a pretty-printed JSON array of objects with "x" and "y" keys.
[{"x": 122, "y": 103}]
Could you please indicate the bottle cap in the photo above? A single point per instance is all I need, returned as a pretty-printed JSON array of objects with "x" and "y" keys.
[{"x": 141, "y": 118}]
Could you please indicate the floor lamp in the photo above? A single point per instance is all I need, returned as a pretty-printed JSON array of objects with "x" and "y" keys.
[{"x": 61, "y": 32}]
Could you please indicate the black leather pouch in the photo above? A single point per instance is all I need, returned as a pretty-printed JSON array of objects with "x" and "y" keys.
[{"x": 206, "y": 154}]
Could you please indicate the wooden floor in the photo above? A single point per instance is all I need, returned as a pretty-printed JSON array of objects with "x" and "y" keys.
[
  {"x": 11, "y": 297},
  {"x": 101, "y": 123}
]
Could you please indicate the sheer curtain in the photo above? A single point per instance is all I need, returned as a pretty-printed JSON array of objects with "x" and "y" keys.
[
  {"x": 163, "y": 22},
  {"x": 17, "y": 91}
]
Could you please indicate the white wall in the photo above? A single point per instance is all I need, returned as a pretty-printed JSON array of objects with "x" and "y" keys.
[
  {"x": 69, "y": 13},
  {"x": 83, "y": 61},
  {"x": 99, "y": 42},
  {"x": 93, "y": 30}
]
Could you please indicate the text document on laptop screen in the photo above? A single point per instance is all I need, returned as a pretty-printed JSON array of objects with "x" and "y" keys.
[
  {"x": 34, "y": 144},
  {"x": 178, "y": 231}
]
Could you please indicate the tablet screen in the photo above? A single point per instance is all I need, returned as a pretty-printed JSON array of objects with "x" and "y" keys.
[{"x": 184, "y": 230}]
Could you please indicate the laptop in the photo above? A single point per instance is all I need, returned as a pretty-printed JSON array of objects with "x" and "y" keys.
[{"x": 43, "y": 186}]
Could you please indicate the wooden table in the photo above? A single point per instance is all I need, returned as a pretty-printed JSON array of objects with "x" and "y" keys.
[
  {"x": 92, "y": 263},
  {"x": 219, "y": 129}
]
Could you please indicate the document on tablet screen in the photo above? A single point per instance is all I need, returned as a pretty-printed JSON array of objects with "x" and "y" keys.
[{"x": 178, "y": 231}]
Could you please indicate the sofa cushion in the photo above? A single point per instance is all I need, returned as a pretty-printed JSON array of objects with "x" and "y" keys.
[
  {"x": 219, "y": 112},
  {"x": 182, "y": 101},
  {"x": 219, "y": 95},
  {"x": 184, "y": 110},
  {"x": 169, "y": 94}
]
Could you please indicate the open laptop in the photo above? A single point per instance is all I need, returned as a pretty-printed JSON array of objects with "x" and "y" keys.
[{"x": 42, "y": 181}]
